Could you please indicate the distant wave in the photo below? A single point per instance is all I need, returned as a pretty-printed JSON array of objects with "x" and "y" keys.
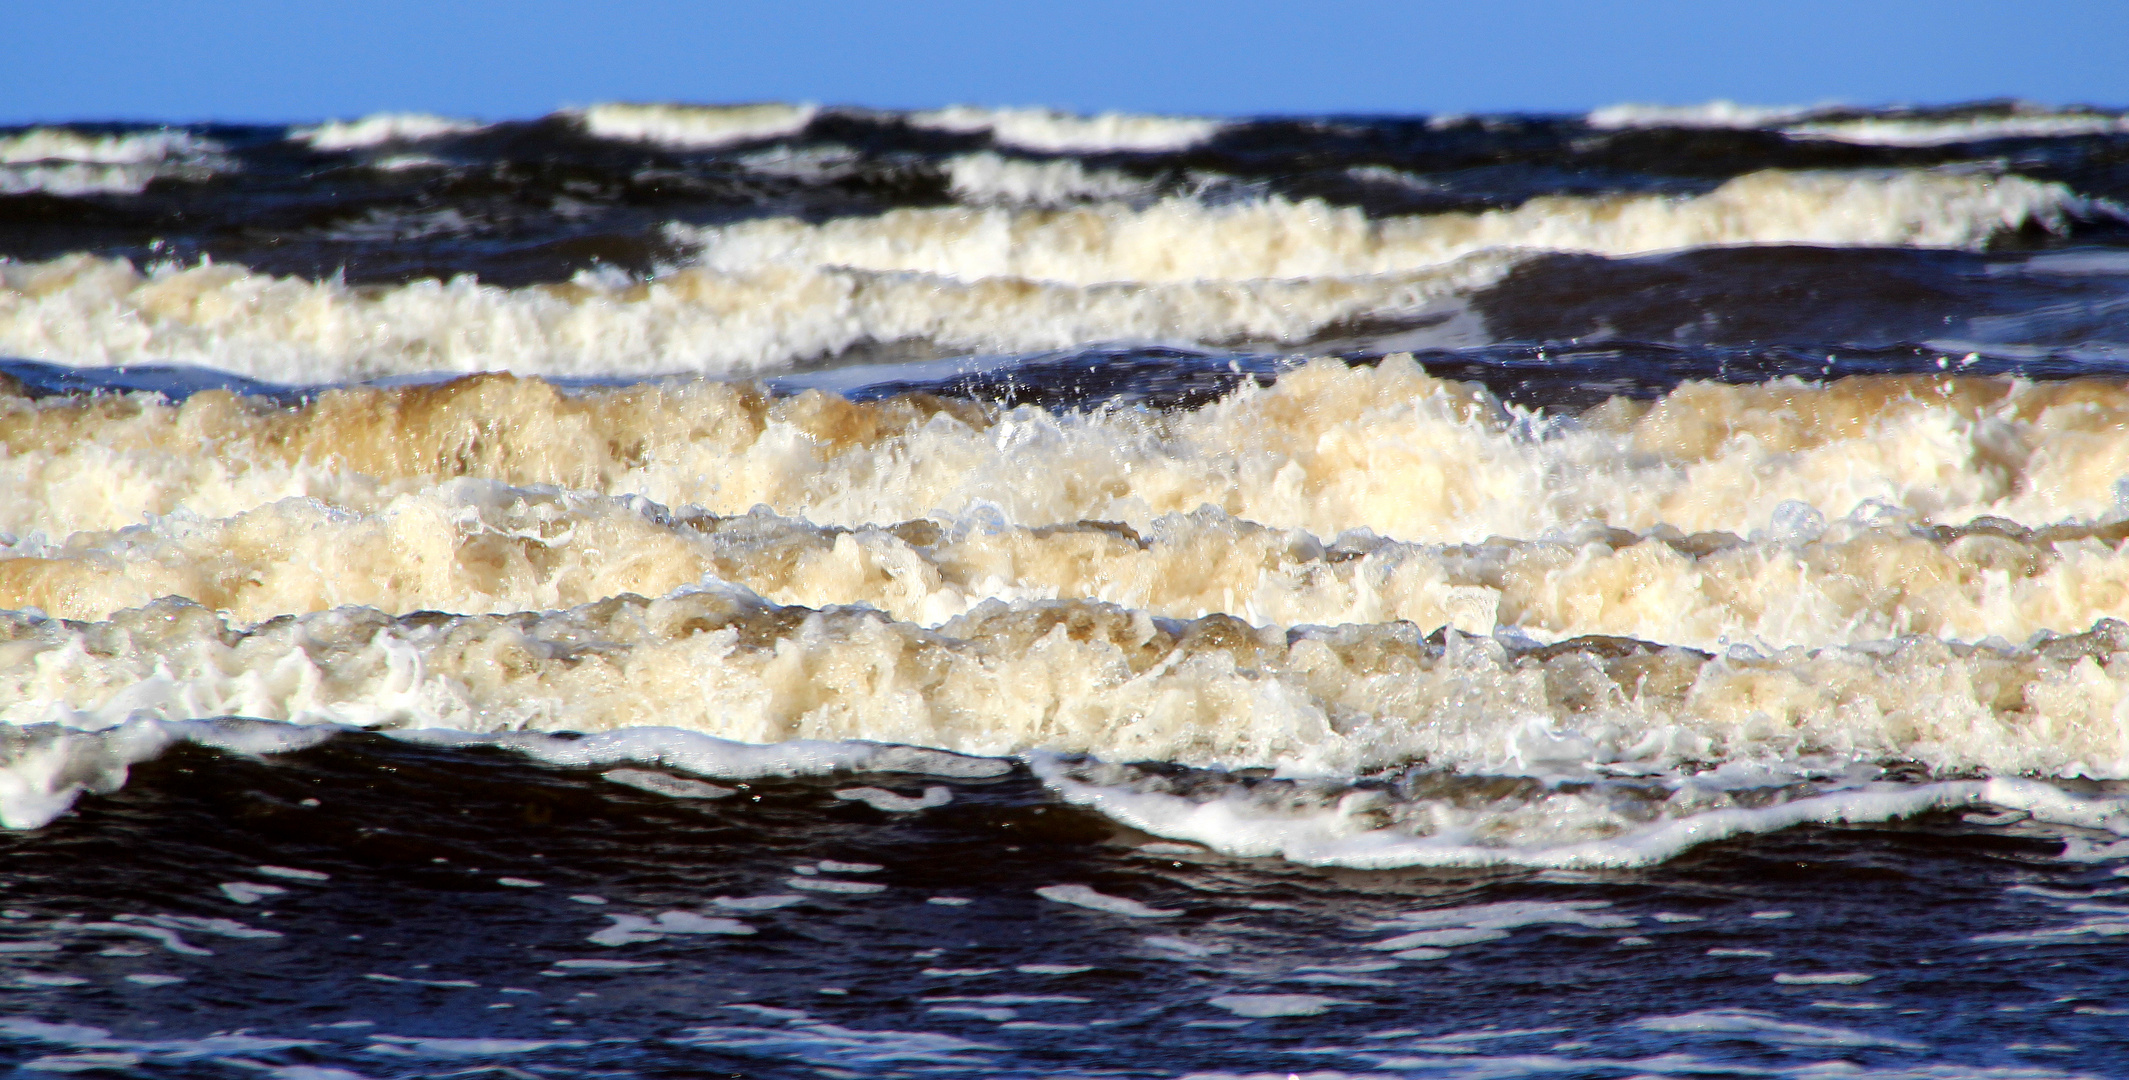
[
  {"x": 762, "y": 294},
  {"x": 69, "y": 161},
  {"x": 1181, "y": 239},
  {"x": 1712, "y": 114},
  {"x": 1884, "y": 127},
  {"x": 1059, "y": 132},
  {"x": 988, "y": 178},
  {"x": 379, "y": 129},
  {"x": 694, "y": 127}
]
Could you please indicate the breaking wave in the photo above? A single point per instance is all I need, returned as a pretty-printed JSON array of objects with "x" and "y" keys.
[
  {"x": 69, "y": 162},
  {"x": 761, "y": 295},
  {"x": 380, "y": 129},
  {"x": 694, "y": 127},
  {"x": 1050, "y": 131}
]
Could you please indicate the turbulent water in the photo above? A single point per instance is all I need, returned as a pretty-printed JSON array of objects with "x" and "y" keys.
[{"x": 783, "y": 591}]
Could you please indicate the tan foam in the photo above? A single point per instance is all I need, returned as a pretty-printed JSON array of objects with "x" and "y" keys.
[
  {"x": 1077, "y": 675},
  {"x": 475, "y": 547},
  {"x": 84, "y": 310},
  {"x": 1328, "y": 449}
]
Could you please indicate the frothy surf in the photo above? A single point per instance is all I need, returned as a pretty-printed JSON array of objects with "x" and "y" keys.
[
  {"x": 380, "y": 129},
  {"x": 1181, "y": 240},
  {"x": 761, "y": 295},
  {"x": 1477, "y": 738},
  {"x": 1048, "y": 583},
  {"x": 70, "y": 162},
  {"x": 1892, "y": 127},
  {"x": 1052, "y": 131},
  {"x": 481, "y": 547},
  {"x": 694, "y": 127},
  {"x": 1343, "y": 614},
  {"x": 702, "y": 127},
  {"x": 1328, "y": 449}
]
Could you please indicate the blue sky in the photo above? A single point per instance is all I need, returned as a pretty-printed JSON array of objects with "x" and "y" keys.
[{"x": 256, "y": 60}]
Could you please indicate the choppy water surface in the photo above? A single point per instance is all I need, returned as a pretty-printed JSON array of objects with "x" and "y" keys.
[{"x": 793, "y": 591}]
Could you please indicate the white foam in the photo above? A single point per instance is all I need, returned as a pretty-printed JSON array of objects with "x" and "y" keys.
[
  {"x": 636, "y": 929},
  {"x": 291, "y": 873},
  {"x": 1051, "y": 131},
  {"x": 446, "y": 984},
  {"x": 75, "y": 178},
  {"x": 67, "y": 162},
  {"x": 229, "y": 928},
  {"x": 99, "y": 312},
  {"x": 767, "y": 293},
  {"x": 1014, "y": 999},
  {"x": 1396, "y": 178},
  {"x": 1712, "y": 114},
  {"x": 44, "y": 769},
  {"x": 81, "y": 1062},
  {"x": 1184, "y": 946},
  {"x": 1513, "y": 914},
  {"x": 988, "y": 178},
  {"x": 245, "y": 892},
  {"x": 1450, "y": 927},
  {"x": 694, "y": 127},
  {"x": 724, "y": 759},
  {"x": 1082, "y": 896},
  {"x": 174, "y": 1051},
  {"x": 1766, "y": 1028},
  {"x": 1259, "y": 1006},
  {"x": 1939, "y": 131},
  {"x": 834, "y": 885},
  {"x": 453, "y": 1048},
  {"x": 1892, "y": 127},
  {"x": 811, "y": 1039},
  {"x": 1181, "y": 240},
  {"x": 378, "y": 129},
  {"x": 890, "y": 802},
  {"x": 2080, "y": 932},
  {"x": 1437, "y": 939},
  {"x": 48, "y": 770},
  {"x": 168, "y": 938},
  {"x": 812, "y": 164},
  {"x": 757, "y": 903},
  {"x": 129, "y": 148},
  {"x": 672, "y": 786},
  {"x": 980, "y": 1013},
  {"x": 1549, "y": 830}
]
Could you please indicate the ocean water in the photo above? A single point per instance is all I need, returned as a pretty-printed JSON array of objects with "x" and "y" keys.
[{"x": 796, "y": 591}]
